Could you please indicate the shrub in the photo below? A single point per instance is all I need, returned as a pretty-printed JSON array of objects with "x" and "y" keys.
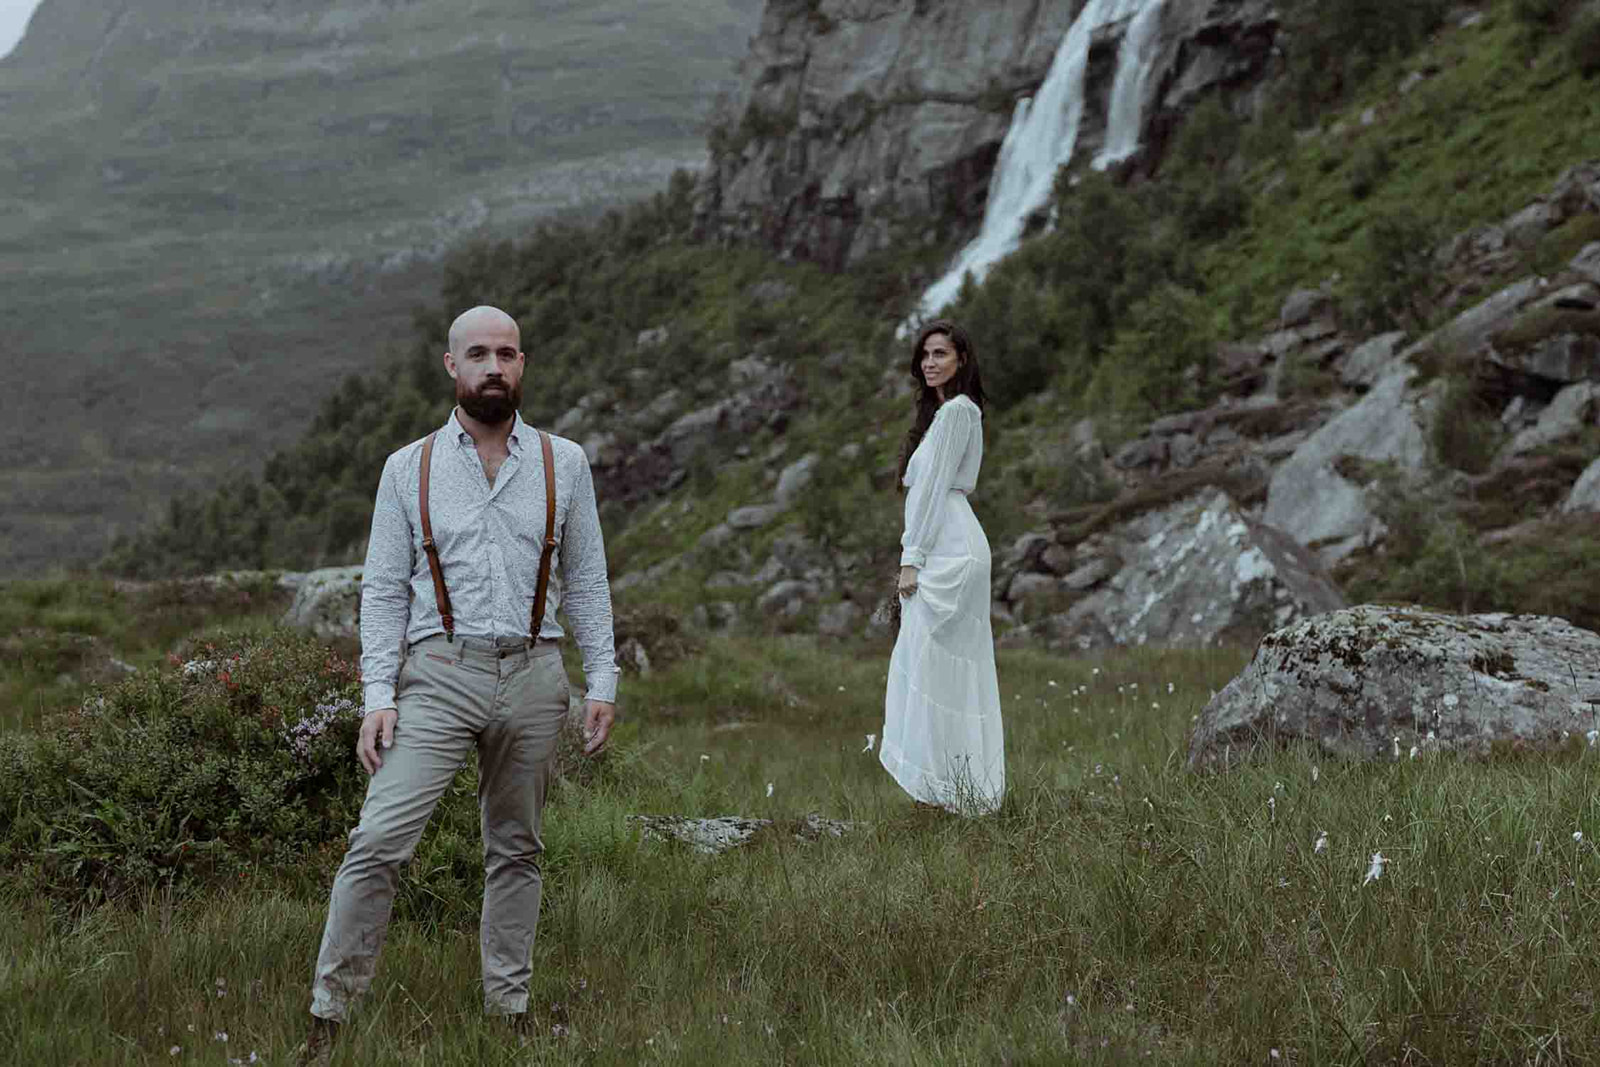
[
  {"x": 1389, "y": 286},
  {"x": 1160, "y": 360},
  {"x": 1465, "y": 433},
  {"x": 1583, "y": 42},
  {"x": 239, "y": 755}
]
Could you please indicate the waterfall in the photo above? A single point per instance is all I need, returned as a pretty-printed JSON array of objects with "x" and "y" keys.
[
  {"x": 1043, "y": 135},
  {"x": 1136, "y": 60}
]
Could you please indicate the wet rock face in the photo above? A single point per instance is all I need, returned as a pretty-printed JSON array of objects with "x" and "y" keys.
[
  {"x": 1402, "y": 683},
  {"x": 858, "y": 117}
]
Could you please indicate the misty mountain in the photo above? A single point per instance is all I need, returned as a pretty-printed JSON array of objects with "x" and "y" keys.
[{"x": 212, "y": 213}]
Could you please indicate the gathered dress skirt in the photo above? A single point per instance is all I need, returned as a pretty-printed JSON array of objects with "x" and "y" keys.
[{"x": 942, "y": 736}]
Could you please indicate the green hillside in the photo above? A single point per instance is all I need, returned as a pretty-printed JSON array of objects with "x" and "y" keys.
[
  {"x": 209, "y": 214},
  {"x": 1104, "y": 316}
]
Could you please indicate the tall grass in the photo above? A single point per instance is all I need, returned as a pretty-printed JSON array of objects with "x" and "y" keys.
[{"x": 1117, "y": 909}]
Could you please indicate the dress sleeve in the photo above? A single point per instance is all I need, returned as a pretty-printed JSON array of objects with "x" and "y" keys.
[{"x": 946, "y": 444}]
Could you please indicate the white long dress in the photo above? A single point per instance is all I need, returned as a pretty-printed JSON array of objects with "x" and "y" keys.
[{"x": 942, "y": 738}]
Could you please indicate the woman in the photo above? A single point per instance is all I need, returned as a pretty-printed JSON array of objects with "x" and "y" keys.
[{"x": 941, "y": 734}]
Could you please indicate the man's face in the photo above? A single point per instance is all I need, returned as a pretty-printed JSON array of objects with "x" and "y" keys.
[{"x": 488, "y": 371}]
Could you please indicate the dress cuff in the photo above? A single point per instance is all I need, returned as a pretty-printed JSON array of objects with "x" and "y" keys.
[
  {"x": 379, "y": 695},
  {"x": 913, "y": 557}
]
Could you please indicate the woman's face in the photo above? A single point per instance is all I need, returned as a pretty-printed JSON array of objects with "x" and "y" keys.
[{"x": 940, "y": 362}]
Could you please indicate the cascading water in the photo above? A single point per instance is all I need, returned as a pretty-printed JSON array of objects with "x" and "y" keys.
[
  {"x": 1044, "y": 133},
  {"x": 1136, "y": 60}
]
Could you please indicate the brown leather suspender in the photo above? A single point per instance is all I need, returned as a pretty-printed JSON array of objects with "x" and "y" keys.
[
  {"x": 543, "y": 587},
  {"x": 442, "y": 595}
]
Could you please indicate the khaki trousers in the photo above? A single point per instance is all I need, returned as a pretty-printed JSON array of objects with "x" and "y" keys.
[{"x": 507, "y": 702}]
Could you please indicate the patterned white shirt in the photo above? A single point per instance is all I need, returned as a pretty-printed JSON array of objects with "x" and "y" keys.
[{"x": 489, "y": 539}]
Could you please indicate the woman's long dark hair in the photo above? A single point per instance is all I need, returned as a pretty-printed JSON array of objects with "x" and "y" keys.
[{"x": 967, "y": 381}]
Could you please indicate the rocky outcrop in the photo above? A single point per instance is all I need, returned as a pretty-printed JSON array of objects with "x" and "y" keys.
[
  {"x": 1314, "y": 499},
  {"x": 1393, "y": 683},
  {"x": 859, "y": 120},
  {"x": 1198, "y": 572},
  {"x": 327, "y": 602}
]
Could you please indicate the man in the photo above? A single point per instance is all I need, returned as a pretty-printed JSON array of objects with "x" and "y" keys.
[{"x": 453, "y": 665}]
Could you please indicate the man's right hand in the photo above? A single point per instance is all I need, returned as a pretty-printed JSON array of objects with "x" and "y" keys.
[{"x": 376, "y": 728}]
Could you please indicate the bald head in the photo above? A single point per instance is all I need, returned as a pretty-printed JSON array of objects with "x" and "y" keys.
[{"x": 479, "y": 321}]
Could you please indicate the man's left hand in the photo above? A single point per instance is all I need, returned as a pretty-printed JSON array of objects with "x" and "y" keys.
[{"x": 597, "y": 725}]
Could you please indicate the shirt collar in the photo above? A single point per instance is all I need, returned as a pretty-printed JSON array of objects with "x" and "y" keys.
[{"x": 519, "y": 431}]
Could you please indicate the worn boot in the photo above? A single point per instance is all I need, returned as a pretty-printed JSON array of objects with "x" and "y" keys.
[{"x": 318, "y": 1049}]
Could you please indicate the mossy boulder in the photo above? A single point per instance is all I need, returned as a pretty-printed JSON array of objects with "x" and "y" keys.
[{"x": 1396, "y": 683}]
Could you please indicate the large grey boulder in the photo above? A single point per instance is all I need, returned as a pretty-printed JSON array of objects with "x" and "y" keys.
[
  {"x": 327, "y": 603},
  {"x": 795, "y": 478},
  {"x": 1311, "y": 501},
  {"x": 1377, "y": 682},
  {"x": 724, "y": 832},
  {"x": 1199, "y": 572}
]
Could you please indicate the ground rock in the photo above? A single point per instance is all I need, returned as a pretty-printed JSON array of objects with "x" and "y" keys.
[
  {"x": 730, "y": 831},
  {"x": 1372, "y": 682},
  {"x": 1587, "y": 262},
  {"x": 1585, "y": 495},
  {"x": 327, "y": 603},
  {"x": 1362, "y": 368},
  {"x": 787, "y": 598},
  {"x": 1301, "y": 306},
  {"x": 795, "y": 477},
  {"x": 841, "y": 619},
  {"x": 1199, "y": 572},
  {"x": 1311, "y": 502},
  {"x": 1572, "y": 409},
  {"x": 754, "y": 516}
]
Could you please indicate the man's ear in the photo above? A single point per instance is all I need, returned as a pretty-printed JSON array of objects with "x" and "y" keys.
[{"x": 450, "y": 364}]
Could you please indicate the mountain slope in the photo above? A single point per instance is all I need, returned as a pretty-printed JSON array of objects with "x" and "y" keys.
[{"x": 210, "y": 213}]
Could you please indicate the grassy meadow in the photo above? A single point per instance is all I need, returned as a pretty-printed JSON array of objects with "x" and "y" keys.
[{"x": 1118, "y": 909}]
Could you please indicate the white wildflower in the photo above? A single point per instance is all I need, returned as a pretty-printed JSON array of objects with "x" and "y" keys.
[
  {"x": 1413, "y": 752},
  {"x": 1169, "y": 687},
  {"x": 1375, "y": 871},
  {"x": 704, "y": 757},
  {"x": 1051, "y": 683},
  {"x": 1451, "y": 700},
  {"x": 174, "y": 1050},
  {"x": 1593, "y": 736},
  {"x": 222, "y": 1036},
  {"x": 769, "y": 789},
  {"x": 1396, "y": 746},
  {"x": 1577, "y": 837},
  {"x": 872, "y": 739},
  {"x": 1316, "y": 772},
  {"x": 1320, "y": 844}
]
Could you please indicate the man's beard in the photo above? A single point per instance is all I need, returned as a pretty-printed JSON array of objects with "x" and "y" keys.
[{"x": 490, "y": 408}]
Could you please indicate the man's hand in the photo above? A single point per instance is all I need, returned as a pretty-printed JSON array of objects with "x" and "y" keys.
[
  {"x": 908, "y": 581},
  {"x": 377, "y": 726},
  {"x": 597, "y": 725}
]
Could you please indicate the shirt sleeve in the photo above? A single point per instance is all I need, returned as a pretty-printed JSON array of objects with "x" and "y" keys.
[
  {"x": 586, "y": 592},
  {"x": 385, "y": 592},
  {"x": 944, "y": 447}
]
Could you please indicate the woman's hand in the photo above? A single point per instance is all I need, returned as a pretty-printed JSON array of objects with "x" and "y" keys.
[{"x": 908, "y": 581}]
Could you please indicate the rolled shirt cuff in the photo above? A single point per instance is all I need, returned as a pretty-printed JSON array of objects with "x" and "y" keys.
[
  {"x": 913, "y": 557},
  {"x": 379, "y": 695},
  {"x": 603, "y": 687}
]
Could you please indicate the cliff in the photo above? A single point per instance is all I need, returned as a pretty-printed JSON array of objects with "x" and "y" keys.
[{"x": 858, "y": 122}]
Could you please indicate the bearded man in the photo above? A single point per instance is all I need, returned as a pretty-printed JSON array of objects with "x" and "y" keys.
[{"x": 452, "y": 660}]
